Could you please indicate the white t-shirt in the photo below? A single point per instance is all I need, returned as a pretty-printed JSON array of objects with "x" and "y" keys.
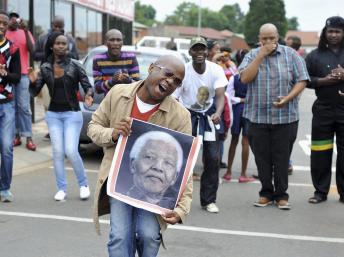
[{"x": 198, "y": 90}]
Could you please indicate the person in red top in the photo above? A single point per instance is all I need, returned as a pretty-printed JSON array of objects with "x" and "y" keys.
[{"x": 18, "y": 33}]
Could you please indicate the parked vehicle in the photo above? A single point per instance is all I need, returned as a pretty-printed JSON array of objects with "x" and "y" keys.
[
  {"x": 145, "y": 56},
  {"x": 183, "y": 44}
]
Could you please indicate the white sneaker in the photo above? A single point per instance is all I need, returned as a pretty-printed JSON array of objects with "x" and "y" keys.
[
  {"x": 211, "y": 208},
  {"x": 84, "y": 192},
  {"x": 60, "y": 195}
]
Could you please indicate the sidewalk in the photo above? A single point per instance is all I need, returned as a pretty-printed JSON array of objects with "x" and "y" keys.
[{"x": 25, "y": 160}]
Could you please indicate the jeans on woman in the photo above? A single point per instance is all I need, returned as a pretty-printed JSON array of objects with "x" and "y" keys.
[
  {"x": 64, "y": 129},
  {"x": 6, "y": 144},
  {"x": 132, "y": 229}
]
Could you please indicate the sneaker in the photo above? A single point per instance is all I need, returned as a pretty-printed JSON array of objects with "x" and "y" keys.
[
  {"x": 211, "y": 208},
  {"x": 262, "y": 202},
  {"x": 227, "y": 177},
  {"x": 6, "y": 196},
  {"x": 60, "y": 195},
  {"x": 243, "y": 179},
  {"x": 290, "y": 169},
  {"x": 17, "y": 141},
  {"x": 223, "y": 165},
  {"x": 46, "y": 137},
  {"x": 84, "y": 192},
  {"x": 283, "y": 205},
  {"x": 30, "y": 145},
  {"x": 256, "y": 176}
]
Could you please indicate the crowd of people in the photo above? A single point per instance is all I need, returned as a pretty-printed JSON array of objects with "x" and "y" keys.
[{"x": 255, "y": 94}]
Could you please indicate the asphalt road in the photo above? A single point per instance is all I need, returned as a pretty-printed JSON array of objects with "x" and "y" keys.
[{"x": 34, "y": 225}]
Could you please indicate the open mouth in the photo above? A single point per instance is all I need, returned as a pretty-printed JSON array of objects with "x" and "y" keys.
[{"x": 162, "y": 88}]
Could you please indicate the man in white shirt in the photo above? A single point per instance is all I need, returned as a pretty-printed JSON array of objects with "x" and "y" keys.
[{"x": 200, "y": 76}]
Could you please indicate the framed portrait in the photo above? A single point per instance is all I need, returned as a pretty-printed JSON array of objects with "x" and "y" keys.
[{"x": 150, "y": 168}]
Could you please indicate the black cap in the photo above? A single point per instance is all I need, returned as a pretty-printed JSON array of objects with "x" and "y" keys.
[
  {"x": 335, "y": 22},
  {"x": 13, "y": 14}
]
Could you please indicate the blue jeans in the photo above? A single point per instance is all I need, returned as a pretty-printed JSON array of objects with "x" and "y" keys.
[
  {"x": 64, "y": 129},
  {"x": 132, "y": 229},
  {"x": 6, "y": 144},
  {"x": 22, "y": 107}
]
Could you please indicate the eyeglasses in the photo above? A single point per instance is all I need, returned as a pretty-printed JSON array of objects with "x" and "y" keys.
[{"x": 169, "y": 74}]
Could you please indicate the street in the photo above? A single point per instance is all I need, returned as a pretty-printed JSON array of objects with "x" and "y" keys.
[{"x": 35, "y": 225}]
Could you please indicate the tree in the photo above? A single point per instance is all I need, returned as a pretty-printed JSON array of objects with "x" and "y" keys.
[
  {"x": 293, "y": 23},
  {"x": 144, "y": 14},
  {"x": 235, "y": 17},
  {"x": 186, "y": 14},
  {"x": 261, "y": 12}
]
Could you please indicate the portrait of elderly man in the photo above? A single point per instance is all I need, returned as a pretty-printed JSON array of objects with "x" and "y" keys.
[{"x": 156, "y": 159}]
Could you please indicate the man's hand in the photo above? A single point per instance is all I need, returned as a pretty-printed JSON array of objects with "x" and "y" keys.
[
  {"x": 267, "y": 49},
  {"x": 88, "y": 100},
  {"x": 171, "y": 217},
  {"x": 338, "y": 73},
  {"x": 120, "y": 77},
  {"x": 121, "y": 128},
  {"x": 32, "y": 74},
  {"x": 329, "y": 80},
  {"x": 3, "y": 72},
  {"x": 216, "y": 118},
  {"x": 282, "y": 100}
]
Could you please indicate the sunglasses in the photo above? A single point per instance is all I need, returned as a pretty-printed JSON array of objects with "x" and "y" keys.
[{"x": 169, "y": 74}]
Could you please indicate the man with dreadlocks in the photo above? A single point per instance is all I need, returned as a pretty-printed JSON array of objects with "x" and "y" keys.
[{"x": 325, "y": 66}]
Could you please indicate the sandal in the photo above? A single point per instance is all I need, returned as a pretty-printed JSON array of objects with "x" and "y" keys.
[{"x": 317, "y": 199}]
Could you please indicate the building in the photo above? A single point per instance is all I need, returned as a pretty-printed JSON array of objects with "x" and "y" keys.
[
  {"x": 225, "y": 38},
  {"x": 86, "y": 20},
  {"x": 309, "y": 39}
]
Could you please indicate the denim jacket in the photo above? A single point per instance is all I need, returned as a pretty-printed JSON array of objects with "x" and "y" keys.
[{"x": 74, "y": 74}]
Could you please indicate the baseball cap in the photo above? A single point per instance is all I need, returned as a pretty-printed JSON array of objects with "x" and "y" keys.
[
  {"x": 198, "y": 40},
  {"x": 13, "y": 14},
  {"x": 335, "y": 22}
]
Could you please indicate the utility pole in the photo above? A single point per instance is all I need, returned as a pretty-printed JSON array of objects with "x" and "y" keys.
[{"x": 199, "y": 18}]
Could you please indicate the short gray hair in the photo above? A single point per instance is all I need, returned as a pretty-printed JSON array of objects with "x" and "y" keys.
[{"x": 157, "y": 135}]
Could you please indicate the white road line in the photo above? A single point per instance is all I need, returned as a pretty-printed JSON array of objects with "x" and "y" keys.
[
  {"x": 232, "y": 181},
  {"x": 187, "y": 228}
]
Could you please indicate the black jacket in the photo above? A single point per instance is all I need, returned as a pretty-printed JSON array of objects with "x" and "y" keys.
[{"x": 74, "y": 74}]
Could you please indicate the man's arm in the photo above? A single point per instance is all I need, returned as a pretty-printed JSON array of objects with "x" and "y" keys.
[
  {"x": 14, "y": 70},
  {"x": 100, "y": 83},
  {"x": 220, "y": 102},
  {"x": 73, "y": 53},
  {"x": 39, "y": 48}
]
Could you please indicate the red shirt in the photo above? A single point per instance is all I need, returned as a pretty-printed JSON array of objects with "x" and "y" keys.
[
  {"x": 135, "y": 112},
  {"x": 17, "y": 37}
]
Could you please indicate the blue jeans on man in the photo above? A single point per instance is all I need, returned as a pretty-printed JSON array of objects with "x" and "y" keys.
[
  {"x": 132, "y": 229},
  {"x": 22, "y": 107},
  {"x": 64, "y": 129},
  {"x": 7, "y": 127}
]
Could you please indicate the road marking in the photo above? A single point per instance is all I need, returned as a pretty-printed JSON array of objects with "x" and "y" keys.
[
  {"x": 187, "y": 228},
  {"x": 305, "y": 145},
  {"x": 301, "y": 168}
]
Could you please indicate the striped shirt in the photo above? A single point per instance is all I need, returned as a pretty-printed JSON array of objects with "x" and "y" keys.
[
  {"x": 277, "y": 75},
  {"x": 104, "y": 67}
]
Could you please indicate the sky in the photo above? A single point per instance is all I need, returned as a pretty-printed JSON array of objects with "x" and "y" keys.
[{"x": 311, "y": 14}]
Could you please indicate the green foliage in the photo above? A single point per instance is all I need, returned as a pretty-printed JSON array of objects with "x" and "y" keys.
[
  {"x": 186, "y": 14},
  {"x": 261, "y": 12},
  {"x": 235, "y": 17},
  {"x": 293, "y": 23},
  {"x": 144, "y": 14}
]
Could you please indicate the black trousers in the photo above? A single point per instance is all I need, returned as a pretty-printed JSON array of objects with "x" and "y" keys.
[
  {"x": 327, "y": 122},
  {"x": 271, "y": 145},
  {"x": 210, "y": 175}
]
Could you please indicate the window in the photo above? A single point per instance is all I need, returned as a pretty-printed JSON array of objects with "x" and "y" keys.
[
  {"x": 42, "y": 17},
  {"x": 65, "y": 10},
  {"x": 81, "y": 30},
  {"x": 19, "y": 6},
  {"x": 94, "y": 28}
]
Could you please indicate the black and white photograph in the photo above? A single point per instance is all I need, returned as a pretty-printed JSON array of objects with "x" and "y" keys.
[{"x": 151, "y": 166}]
